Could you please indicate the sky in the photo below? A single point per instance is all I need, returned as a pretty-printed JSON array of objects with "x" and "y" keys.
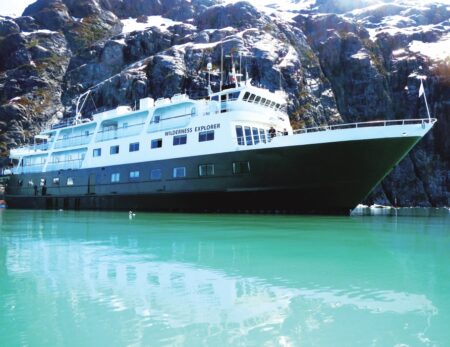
[
  {"x": 16, "y": 7},
  {"x": 13, "y": 7}
]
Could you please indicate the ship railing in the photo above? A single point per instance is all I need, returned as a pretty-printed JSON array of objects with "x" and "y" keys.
[
  {"x": 42, "y": 147},
  {"x": 72, "y": 141},
  {"x": 110, "y": 134},
  {"x": 71, "y": 164},
  {"x": 376, "y": 123},
  {"x": 30, "y": 168}
]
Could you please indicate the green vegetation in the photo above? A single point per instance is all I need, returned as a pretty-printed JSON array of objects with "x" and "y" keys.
[
  {"x": 89, "y": 31},
  {"x": 375, "y": 56}
]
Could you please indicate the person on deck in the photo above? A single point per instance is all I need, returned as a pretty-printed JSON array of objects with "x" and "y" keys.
[{"x": 272, "y": 132}]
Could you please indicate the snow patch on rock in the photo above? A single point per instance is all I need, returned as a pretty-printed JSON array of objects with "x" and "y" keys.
[{"x": 439, "y": 50}]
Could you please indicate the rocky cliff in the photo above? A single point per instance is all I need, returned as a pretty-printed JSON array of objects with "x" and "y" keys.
[{"x": 354, "y": 62}]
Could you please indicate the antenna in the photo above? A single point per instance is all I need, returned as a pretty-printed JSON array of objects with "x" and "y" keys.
[
  {"x": 221, "y": 66},
  {"x": 209, "y": 68},
  {"x": 279, "y": 72}
]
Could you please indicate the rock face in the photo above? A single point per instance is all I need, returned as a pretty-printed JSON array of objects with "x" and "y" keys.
[{"x": 353, "y": 62}]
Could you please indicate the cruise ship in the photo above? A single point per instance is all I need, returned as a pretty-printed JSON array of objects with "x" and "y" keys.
[{"x": 234, "y": 151}]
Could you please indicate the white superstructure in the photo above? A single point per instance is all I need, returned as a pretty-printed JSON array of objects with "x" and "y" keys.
[{"x": 162, "y": 129}]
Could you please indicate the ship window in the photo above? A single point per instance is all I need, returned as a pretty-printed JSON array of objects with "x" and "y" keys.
[
  {"x": 96, "y": 152},
  {"x": 267, "y": 103},
  {"x": 277, "y": 106},
  {"x": 252, "y": 97},
  {"x": 155, "y": 174},
  {"x": 206, "y": 136},
  {"x": 115, "y": 177},
  {"x": 157, "y": 143},
  {"x": 246, "y": 95},
  {"x": 31, "y": 183},
  {"x": 86, "y": 133},
  {"x": 262, "y": 135},
  {"x": 134, "y": 147},
  {"x": 114, "y": 149},
  {"x": 134, "y": 174},
  {"x": 255, "y": 135},
  {"x": 233, "y": 96},
  {"x": 215, "y": 98},
  {"x": 263, "y": 101},
  {"x": 248, "y": 136},
  {"x": 241, "y": 167},
  {"x": 56, "y": 181},
  {"x": 179, "y": 140},
  {"x": 206, "y": 170},
  {"x": 257, "y": 99},
  {"x": 272, "y": 104},
  {"x": 69, "y": 181},
  {"x": 43, "y": 182},
  {"x": 179, "y": 172},
  {"x": 239, "y": 135}
]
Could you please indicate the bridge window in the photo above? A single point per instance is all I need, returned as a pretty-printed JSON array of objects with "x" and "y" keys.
[
  {"x": 96, "y": 152},
  {"x": 179, "y": 140},
  {"x": 252, "y": 97},
  {"x": 258, "y": 98},
  {"x": 206, "y": 170},
  {"x": 114, "y": 149},
  {"x": 206, "y": 136},
  {"x": 246, "y": 96},
  {"x": 115, "y": 177},
  {"x": 263, "y": 101},
  {"x": 241, "y": 167},
  {"x": 179, "y": 172},
  {"x": 134, "y": 147},
  {"x": 157, "y": 143},
  {"x": 248, "y": 136},
  {"x": 155, "y": 174},
  {"x": 56, "y": 181},
  {"x": 255, "y": 135},
  {"x": 262, "y": 135},
  {"x": 240, "y": 136},
  {"x": 69, "y": 181}
]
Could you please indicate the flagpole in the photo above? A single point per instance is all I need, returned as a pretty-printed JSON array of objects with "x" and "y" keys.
[{"x": 426, "y": 103}]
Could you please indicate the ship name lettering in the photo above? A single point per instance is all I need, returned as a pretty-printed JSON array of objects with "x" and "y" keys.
[
  {"x": 190, "y": 130},
  {"x": 207, "y": 127}
]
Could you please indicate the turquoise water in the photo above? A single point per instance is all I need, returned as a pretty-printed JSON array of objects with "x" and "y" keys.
[{"x": 103, "y": 279}]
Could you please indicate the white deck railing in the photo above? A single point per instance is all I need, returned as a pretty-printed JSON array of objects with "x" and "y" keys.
[{"x": 376, "y": 123}]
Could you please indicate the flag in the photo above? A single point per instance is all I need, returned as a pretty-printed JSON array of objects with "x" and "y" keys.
[{"x": 421, "y": 90}]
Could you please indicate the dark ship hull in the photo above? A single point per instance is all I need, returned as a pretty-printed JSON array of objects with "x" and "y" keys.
[{"x": 327, "y": 178}]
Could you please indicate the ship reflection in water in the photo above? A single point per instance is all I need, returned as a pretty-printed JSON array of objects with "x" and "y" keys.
[{"x": 73, "y": 278}]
